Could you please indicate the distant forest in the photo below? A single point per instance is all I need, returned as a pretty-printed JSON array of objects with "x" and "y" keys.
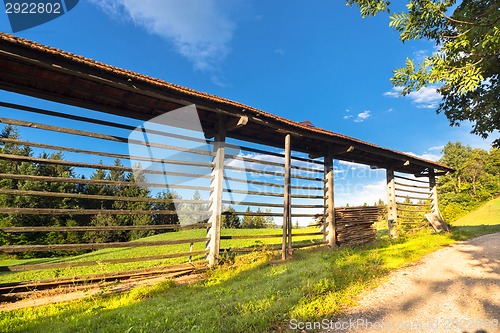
[{"x": 117, "y": 183}]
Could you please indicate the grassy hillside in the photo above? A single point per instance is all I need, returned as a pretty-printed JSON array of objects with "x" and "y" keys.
[
  {"x": 488, "y": 214},
  {"x": 484, "y": 220}
]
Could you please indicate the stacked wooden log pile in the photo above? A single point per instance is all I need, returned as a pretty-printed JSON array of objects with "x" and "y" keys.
[{"x": 355, "y": 224}]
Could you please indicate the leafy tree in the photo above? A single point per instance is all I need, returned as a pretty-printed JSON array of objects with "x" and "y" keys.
[
  {"x": 476, "y": 179},
  {"x": 466, "y": 64}
]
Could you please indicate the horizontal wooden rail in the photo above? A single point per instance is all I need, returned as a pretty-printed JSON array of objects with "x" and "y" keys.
[
  {"x": 412, "y": 191},
  {"x": 30, "y": 159},
  {"x": 226, "y": 237},
  {"x": 241, "y": 180},
  {"x": 305, "y": 196},
  {"x": 411, "y": 179},
  {"x": 174, "y": 270},
  {"x": 99, "y": 136},
  {"x": 94, "y": 246},
  {"x": 271, "y": 173},
  {"x": 248, "y": 203},
  {"x": 413, "y": 204},
  {"x": 62, "y": 211},
  {"x": 97, "y": 182},
  {"x": 305, "y": 215},
  {"x": 409, "y": 185},
  {"x": 31, "y": 267},
  {"x": 252, "y": 214},
  {"x": 410, "y": 197},
  {"x": 104, "y": 228},
  {"x": 411, "y": 217},
  {"x": 268, "y": 194},
  {"x": 259, "y": 151},
  {"x": 413, "y": 211},
  {"x": 90, "y": 196},
  {"x": 302, "y": 246},
  {"x": 277, "y": 164},
  {"x": 168, "y": 134},
  {"x": 99, "y": 153}
]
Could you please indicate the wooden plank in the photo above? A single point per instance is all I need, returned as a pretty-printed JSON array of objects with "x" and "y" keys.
[
  {"x": 93, "y": 246},
  {"x": 30, "y": 267},
  {"x": 95, "y": 135},
  {"x": 83, "y": 196},
  {"x": 410, "y": 179},
  {"x": 97, "y": 182},
  {"x": 287, "y": 209},
  {"x": 411, "y": 191},
  {"x": 413, "y": 204},
  {"x": 271, "y": 173},
  {"x": 391, "y": 204},
  {"x": 329, "y": 202},
  {"x": 58, "y": 282},
  {"x": 21, "y": 158},
  {"x": 252, "y": 213},
  {"x": 410, "y": 197},
  {"x": 97, "y": 121},
  {"x": 105, "y": 154},
  {"x": 216, "y": 186},
  {"x": 410, "y": 185},
  {"x": 253, "y": 182},
  {"x": 61, "y": 211},
  {"x": 104, "y": 228}
]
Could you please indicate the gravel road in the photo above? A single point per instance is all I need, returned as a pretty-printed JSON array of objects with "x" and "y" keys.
[{"x": 455, "y": 289}]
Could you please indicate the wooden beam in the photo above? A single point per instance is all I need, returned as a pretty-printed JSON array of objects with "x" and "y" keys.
[
  {"x": 434, "y": 194},
  {"x": 287, "y": 209},
  {"x": 213, "y": 233},
  {"x": 236, "y": 123},
  {"x": 331, "y": 227},
  {"x": 436, "y": 174},
  {"x": 230, "y": 125},
  {"x": 392, "y": 214}
]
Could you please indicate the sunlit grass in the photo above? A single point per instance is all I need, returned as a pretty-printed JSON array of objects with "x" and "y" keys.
[
  {"x": 107, "y": 254},
  {"x": 256, "y": 293}
]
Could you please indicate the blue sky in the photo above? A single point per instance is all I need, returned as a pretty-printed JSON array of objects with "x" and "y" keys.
[{"x": 304, "y": 61}]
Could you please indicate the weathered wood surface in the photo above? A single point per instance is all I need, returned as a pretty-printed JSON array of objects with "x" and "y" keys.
[{"x": 93, "y": 246}]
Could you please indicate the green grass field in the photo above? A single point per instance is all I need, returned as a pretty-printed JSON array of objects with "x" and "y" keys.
[
  {"x": 254, "y": 294},
  {"x": 118, "y": 253}
]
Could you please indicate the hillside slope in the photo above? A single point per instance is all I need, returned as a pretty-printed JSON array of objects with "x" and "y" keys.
[{"x": 487, "y": 214}]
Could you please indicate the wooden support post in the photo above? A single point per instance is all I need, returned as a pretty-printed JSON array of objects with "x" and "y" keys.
[
  {"x": 434, "y": 194},
  {"x": 392, "y": 213},
  {"x": 213, "y": 232},
  {"x": 331, "y": 228},
  {"x": 286, "y": 247}
]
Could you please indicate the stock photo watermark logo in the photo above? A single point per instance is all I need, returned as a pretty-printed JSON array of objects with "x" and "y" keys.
[
  {"x": 172, "y": 152},
  {"x": 27, "y": 14}
]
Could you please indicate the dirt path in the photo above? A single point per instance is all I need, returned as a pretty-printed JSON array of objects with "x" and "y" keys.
[{"x": 456, "y": 289}]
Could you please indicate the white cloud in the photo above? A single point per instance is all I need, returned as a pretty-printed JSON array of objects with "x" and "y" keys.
[
  {"x": 420, "y": 55},
  {"x": 347, "y": 117},
  {"x": 426, "y": 156},
  {"x": 199, "y": 30},
  {"x": 436, "y": 148},
  {"x": 426, "y": 97},
  {"x": 359, "y": 194},
  {"x": 362, "y": 116}
]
